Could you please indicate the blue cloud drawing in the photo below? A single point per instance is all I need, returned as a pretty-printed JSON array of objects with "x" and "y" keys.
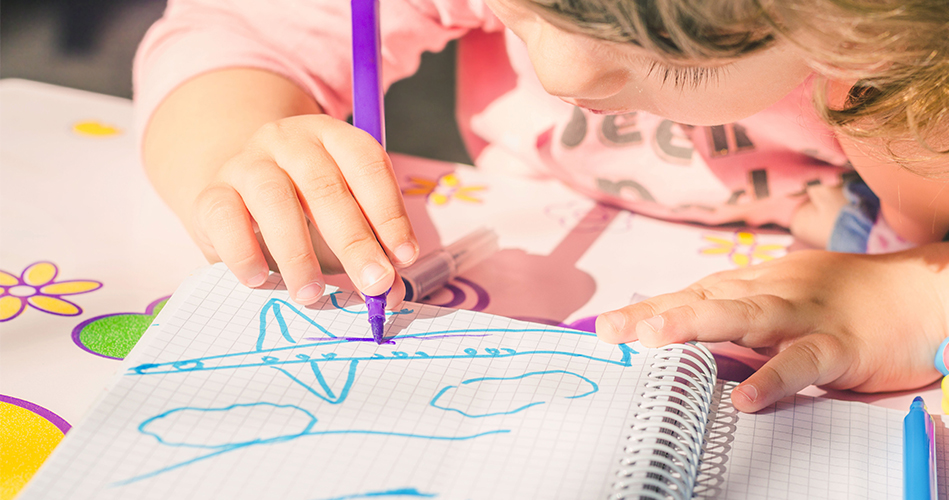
[
  {"x": 492, "y": 396},
  {"x": 228, "y": 427}
]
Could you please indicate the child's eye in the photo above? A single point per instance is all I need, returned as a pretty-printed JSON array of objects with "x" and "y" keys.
[{"x": 683, "y": 76}]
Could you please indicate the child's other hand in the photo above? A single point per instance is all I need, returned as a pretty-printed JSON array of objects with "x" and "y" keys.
[
  {"x": 863, "y": 322},
  {"x": 316, "y": 168},
  {"x": 813, "y": 222}
]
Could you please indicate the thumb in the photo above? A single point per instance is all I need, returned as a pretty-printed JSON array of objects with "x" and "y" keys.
[{"x": 814, "y": 359}]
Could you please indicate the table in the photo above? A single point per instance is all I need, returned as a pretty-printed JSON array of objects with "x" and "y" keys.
[{"x": 88, "y": 254}]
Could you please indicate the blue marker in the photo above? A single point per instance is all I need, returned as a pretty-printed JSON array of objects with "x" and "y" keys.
[
  {"x": 919, "y": 453},
  {"x": 368, "y": 111}
]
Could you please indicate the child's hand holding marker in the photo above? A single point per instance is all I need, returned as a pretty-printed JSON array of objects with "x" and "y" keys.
[{"x": 320, "y": 192}]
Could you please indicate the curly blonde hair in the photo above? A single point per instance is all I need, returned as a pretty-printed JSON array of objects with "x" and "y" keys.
[{"x": 896, "y": 51}]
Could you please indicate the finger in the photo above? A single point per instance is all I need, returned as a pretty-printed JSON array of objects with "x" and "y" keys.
[
  {"x": 224, "y": 228},
  {"x": 369, "y": 174},
  {"x": 395, "y": 298},
  {"x": 396, "y": 295},
  {"x": 344, "y": 228},
  {"x": 814, "y": 359},
  {"x": 271, "y": 198},
  {"x": 619, "y": 326},
  {"x": 750, "y": 321},
  {"x": 325, "y": 195}
]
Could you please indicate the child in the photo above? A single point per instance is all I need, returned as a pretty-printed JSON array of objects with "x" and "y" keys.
[{"x": 683, "y": 109}]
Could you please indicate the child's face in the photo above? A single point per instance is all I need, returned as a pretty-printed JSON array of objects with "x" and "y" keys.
[{"x": 607, "y": 77}]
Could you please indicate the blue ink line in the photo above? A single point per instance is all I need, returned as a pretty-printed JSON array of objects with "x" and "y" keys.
[
  {"x": 223, "y": 450},
  {"x": 410, "y": 435},
  {"x": 322, "y": 381},
  {"x": 198, "y": 364},
  {"x": 330, "y": 397},
  {"x": 278, "y": 315},
  {"x": 141, "y": 427},
  {"x": 397, "y": 492},
  {"x": 288, "y": 438},
  {"x": 509, "y": 412},
  {"x": 337, "y": 340},
  {"x": 341, "y": 308},
  {"x": 594, "y": 388},
  {"x": 274, "y": 305},
  {"x": 170, "y": 468}
]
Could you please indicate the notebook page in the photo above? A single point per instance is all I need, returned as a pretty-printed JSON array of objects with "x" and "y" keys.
[
  {"x": 237, "y": 393},
  {"x": 810, "y": 448}
]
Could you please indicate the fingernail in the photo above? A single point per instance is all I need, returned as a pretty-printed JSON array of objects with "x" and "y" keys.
[
  {"x": 616, "y": 320},
  {"x": 405, "y": 253},
  {"x": 371, "y": 275},
  {"x": 654, "y": 323},
  {"x": 258, "y": 280},
  {"x": 309, "y": 293},
  {"x": 749, "y": 391}
]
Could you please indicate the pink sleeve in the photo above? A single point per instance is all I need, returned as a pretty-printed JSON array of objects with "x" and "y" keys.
[{"x": 306, "y": 41}]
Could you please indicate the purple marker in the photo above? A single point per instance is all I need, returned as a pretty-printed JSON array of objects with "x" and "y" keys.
[
  {"x": 376, "y": 304},
  {"x": 368, "y": 111}
]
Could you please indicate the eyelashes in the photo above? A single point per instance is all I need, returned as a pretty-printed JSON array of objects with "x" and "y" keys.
[{"x": 683, "y": 77}]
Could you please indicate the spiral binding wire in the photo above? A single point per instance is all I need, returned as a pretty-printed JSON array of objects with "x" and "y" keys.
[{"x": 664, "y": 449}]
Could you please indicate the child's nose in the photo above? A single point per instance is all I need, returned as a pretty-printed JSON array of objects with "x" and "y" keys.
[{"x": 574, "y": 66}]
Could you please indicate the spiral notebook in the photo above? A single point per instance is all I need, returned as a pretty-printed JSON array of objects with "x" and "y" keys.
[{"x": 237, "y": 393}]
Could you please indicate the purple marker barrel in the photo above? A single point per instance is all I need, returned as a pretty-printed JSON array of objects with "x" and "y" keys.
[
  {"x": 376, "y": 306},
  {"x": 368, "y": 111}
]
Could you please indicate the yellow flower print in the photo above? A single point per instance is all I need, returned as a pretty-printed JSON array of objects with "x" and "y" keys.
[
  {"x": 442, "y": 190},
  {"x": 92, "y": 128},
  {"x": 37, "y": 287},
  {"x": 743, "y": 248}
]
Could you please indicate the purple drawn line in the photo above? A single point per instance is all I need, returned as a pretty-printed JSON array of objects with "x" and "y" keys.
[
  {"x": 53, "y": 418},
  {"x": 60, "y": 297},
  {"x": 78, "y": 329},
  {"x": 587, "y": 324},
  {"x": 458, "y": 295},
  {"x": 349, "y": 339},
  {"x": 483, "y": 298},
  {"x": 27, "y": 268},
  {"x": 389, "y": 339}
]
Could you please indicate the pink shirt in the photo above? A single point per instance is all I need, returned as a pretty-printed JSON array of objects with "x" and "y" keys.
[{"x": 754, "y": 171}]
